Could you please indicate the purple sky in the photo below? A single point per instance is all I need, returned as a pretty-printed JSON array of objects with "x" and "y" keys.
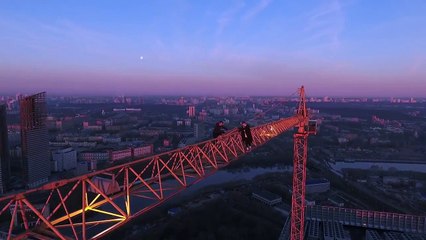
[{"x": 263, "y": 47}]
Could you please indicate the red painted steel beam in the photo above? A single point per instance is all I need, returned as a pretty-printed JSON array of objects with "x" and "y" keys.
[
  {"x": 299, "y": 171},
  {"x": 160, "y": 176}
]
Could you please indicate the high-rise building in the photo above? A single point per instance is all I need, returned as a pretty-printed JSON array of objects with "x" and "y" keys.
[
  {"x": 4, "y": 151},
  {"x": 202, "y": 116},
  {"x": 191, "y": 111},
  {"x": 196, "y": 130},
  {"x": 34, "y": 140}
]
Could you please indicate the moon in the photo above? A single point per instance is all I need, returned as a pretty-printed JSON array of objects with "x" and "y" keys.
[{"x": 141, "y": 57}]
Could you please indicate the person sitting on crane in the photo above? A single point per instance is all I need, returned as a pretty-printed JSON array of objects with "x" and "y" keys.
[{"x": 219, "y": 129}]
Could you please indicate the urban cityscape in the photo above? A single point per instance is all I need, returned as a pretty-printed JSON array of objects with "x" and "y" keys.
[
  {"x": 368, "y": 154},
  {"x": 218, "y": 120}
]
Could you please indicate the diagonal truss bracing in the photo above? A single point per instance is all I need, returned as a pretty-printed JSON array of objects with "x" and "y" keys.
[{"x": 90, "y": 206}]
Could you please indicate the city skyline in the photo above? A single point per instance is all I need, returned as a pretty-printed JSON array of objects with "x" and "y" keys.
[{"x": 261, "y": 48}]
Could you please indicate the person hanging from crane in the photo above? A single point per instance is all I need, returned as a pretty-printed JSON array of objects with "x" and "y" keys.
[
  {"x": 246, "y": 136},
  {"x": 219, "y": 129}
]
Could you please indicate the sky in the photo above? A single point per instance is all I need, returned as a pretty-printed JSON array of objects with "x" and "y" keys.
[{"x": 230, "y": 47}]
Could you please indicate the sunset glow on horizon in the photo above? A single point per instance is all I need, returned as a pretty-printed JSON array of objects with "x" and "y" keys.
[{"x": 262, "y": 47}]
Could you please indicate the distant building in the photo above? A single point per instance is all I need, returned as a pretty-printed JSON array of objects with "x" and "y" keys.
[
  {"x": 126, "y": 109},
  {"x": 267, "y": 197},
  {"x": 4, "y": 152},
  {"x": 317, "y": 185},
  {"x": 64, "y": 159},
  {"x": 131, "y": 153},
  {"x": 143, "y": 151},
  {"x": 196, "y": 130},
  {"x": 34, "y": 140},
  {"x": 187, "y": 122},
  {"x": 98, "y": 156},
  {"x": 120, "y": 154},
  {"x": 191, "y": 111},
  {"x": 166, "y": 142},
  {"x": 202, "y": 116},
  {"x": 111, "y": 139},
  {"x": 181, "y": 101}
]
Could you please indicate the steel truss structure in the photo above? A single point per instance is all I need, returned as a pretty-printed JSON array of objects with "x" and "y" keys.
[
  {"x": 92, "y": 205},
  {"x": 300, "y": 157}
]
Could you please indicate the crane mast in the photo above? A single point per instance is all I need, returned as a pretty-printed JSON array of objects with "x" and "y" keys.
[{"x": 304, "y": 128}]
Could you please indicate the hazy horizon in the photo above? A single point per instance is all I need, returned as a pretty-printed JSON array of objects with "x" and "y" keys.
[
  {"x": 221, "y": 48},
  {"x": 11, "y": 94}
]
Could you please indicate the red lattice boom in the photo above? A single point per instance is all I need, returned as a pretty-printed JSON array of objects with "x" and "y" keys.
[{"x": 89, "y": 206}]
